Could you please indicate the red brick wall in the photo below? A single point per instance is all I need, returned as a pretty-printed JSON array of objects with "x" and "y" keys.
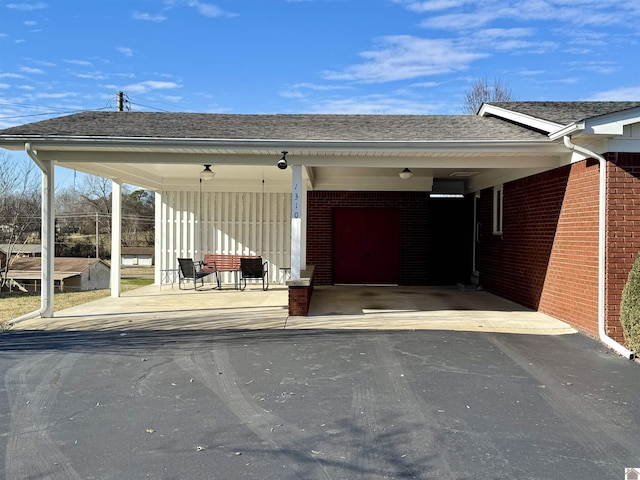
[
  {"x": 414, "y": 222},
  {"x": 547, "y": 256},
  {"x": 623, "y": 231},
  {"x": 300, "y": 300}
]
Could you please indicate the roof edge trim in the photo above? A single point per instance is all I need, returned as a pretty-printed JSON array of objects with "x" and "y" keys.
[
  {"x": 567, "y": 130},
  {"x": 520, "y": 118},
  {"x": 97, "y": 143}
]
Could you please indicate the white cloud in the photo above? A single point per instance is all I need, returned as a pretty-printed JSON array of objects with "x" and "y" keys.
[
  {"x": 405, "y": 57},
  {"x": 55, "y": 95},
  {"x": 11, "y": 75},
  {"x": 148, "y": 17},
  {"x": 297, "y": 90},
  {"x": 603, "y": 67},
  {"x": 82, "y": 63},
  {"x": 30, "y": 23},
  {"x": 431, "y": 5},
  {"x": 379, "y": 104},
  {"x": 460, "y": 21},
  {"x": 31, "y": 70},
  {"x": 471, "y": 14},
  {"x": 619, "y": 94},
  {"x": 90, "y": 75},
  {"x": 143, "y": 87},
  {"x": 500, "y": 33},
  {"x": 424, "y": 85},
  {"x": 205, "y": 9},
  {"x": 44, "y": 63},
  {"x": 27, "y": 6},
  {"x": 126, "y": 51},
  {"x": 209, "y": 10},
  {"x": 172, "y": 98},
  {"x": 4, "y": 85}
]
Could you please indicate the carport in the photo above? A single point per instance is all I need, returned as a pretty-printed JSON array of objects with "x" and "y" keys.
[
  {"x": 371, "y": 199},
  {"x": 253, "y": 207}
]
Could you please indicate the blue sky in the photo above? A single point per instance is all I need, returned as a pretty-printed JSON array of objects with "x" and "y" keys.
[{"x": 309, "y": 56}]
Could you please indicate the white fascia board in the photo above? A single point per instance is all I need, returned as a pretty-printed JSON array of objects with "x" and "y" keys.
[
  {"x": 188, "y": 145},
  {"x": 613, "y": 123},
  {"x": 520, "y": 118},
  {"x": 567, "y": 130},
  {"x": 610, "y": 124}
]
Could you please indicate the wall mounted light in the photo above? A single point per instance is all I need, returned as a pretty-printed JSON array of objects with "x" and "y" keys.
[
  {"x": 406, "y": 174},
  {"x": 207, "y": 173},
  {"x": 282, "y": 163}
]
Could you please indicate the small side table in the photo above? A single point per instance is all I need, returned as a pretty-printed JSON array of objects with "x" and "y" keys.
[
  {"x": 169, "y": 275},
  {"x": 285, "y": 272}
]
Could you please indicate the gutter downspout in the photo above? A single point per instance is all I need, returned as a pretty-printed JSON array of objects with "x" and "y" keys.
[{"x": 604, "y": 338}]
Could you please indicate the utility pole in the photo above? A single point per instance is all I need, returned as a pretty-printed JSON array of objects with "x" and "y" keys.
[
  {"x": 97, "y": 237},
  {"x": 121, "y": 101}
]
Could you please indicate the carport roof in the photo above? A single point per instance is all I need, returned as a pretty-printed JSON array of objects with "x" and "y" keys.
[{"x": 292, "y": 127}]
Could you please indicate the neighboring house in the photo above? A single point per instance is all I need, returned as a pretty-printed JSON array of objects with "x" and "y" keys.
[
  {"x": 20, "y": 250},
  {"x": 137, "y": 256},
  {"x": 536, "y": 201},
  {"x": 70, "y": 274}
]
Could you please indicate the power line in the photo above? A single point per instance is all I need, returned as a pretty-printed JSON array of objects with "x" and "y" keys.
[
  {"x": 153, "y": 108},
  {"x": 182, "y": 109},
  {"x": 46, "y": 113}
]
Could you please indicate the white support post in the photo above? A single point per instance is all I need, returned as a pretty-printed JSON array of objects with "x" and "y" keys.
[
  {"x": 159, "y": 259},
  {"x": 116, "y": 236},
  {"x": 48, "y": 240},
  {"x": 296, "y": 221},
  {"x": 303, "y": 242}
]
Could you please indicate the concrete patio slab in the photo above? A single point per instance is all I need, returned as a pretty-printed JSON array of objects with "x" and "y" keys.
[{"x": 332, "y": 307}]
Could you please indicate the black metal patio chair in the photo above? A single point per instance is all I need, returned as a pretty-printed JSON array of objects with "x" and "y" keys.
[
  {"x": 191, "y": 271},
  {"x": 254, "y": 268}
]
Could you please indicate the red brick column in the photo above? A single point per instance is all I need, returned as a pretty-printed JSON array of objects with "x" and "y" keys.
[{"x": 300, "y": 292}]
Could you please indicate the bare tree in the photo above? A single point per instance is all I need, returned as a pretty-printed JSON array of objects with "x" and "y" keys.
[
  {"x": 481, "y": 92},
  {"x": 19, "y": 207},
  {"x": 84, "y": 218}
]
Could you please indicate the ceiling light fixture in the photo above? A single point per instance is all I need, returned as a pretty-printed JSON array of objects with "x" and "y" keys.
[
  {"x": 406, "y": 174},
  {"x": 207, "y": 173},
  {"x": 282, "y": 163}
]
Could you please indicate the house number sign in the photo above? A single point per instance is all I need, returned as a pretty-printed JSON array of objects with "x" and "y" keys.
[{"x": 296, "y": 193}]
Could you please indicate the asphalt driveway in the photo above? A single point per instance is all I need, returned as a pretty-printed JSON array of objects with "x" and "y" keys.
[{"x": 314, "y": 404}]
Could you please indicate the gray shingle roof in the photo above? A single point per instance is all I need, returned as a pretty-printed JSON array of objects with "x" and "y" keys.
[
  {"x": 565, "y": 113},
  {"x": 363, "y": 128},
  {"x": 61, "y": 264}
]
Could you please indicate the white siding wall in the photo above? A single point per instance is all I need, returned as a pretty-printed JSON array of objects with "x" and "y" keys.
[{"x": 193, "y": 223}]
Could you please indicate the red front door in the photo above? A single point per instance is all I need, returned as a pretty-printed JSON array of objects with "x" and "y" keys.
[{"x": 366, "y": 245}]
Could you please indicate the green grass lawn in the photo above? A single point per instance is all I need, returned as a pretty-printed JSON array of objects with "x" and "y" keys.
[{"x": 15, "y": 304}]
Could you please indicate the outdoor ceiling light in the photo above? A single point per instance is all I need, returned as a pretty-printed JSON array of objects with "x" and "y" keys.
[
  {"x": 282, "y": 163},
  {"x": 207, "y": 173},
  {"x": 406, "y": 174}
]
